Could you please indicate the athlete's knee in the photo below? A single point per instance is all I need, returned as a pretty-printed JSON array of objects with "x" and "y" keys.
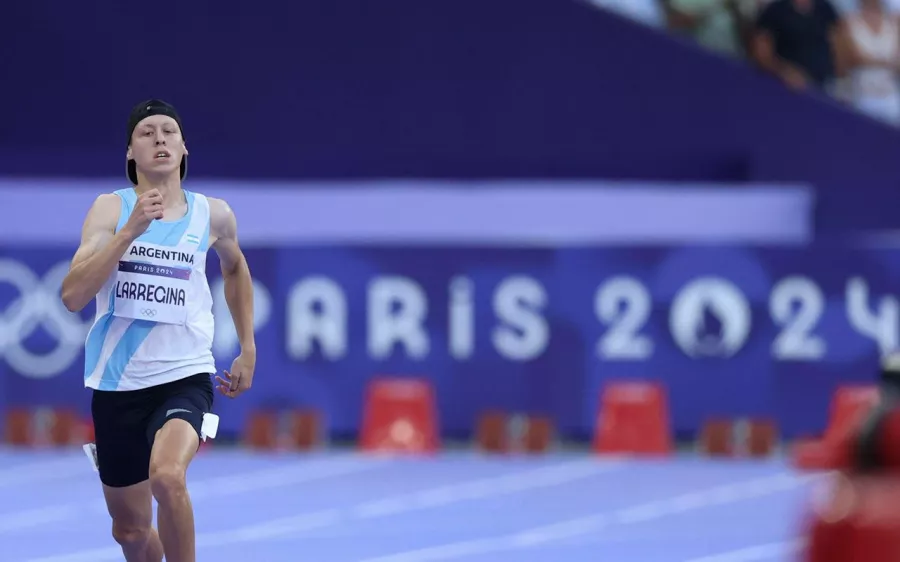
[
  {"x": 167, "y": 480},
  {"x": 129, "y": 535}
]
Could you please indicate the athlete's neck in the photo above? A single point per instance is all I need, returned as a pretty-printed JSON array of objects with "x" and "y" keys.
[{"x": 169, "y": 188}]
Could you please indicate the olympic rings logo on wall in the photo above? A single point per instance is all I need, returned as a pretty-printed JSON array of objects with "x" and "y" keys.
[{"x": 38, "y": 305}]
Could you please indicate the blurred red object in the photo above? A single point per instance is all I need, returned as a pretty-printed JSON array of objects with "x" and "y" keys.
[
  {"x": 849, "y": 406},
  {"x": 856, "y": 515},
  {"x": 844, "y": 449},
  {"x": 855, "y": 518}
]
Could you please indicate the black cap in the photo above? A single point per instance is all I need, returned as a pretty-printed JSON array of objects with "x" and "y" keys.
[{"x": 140, "y": 112}]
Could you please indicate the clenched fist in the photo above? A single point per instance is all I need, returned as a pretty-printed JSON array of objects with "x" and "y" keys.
[{"x": 149, "y": 206}]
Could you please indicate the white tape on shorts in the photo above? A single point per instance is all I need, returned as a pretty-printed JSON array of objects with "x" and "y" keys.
[
  {"x": 209, "y": 427},
  {"x": 91, "y": 451}
]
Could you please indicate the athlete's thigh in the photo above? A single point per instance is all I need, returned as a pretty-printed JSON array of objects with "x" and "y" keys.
[
  {"x": 120, "y": 425},
  {"x": 175, "y": 427},
  {"x": 131, "y": 507},
  {"x": 174, "y": 448}
]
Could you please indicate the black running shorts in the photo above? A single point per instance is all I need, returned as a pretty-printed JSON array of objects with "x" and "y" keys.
[{"x": 126, "y": 422}]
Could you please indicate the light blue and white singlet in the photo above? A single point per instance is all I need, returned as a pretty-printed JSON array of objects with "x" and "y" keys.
[{"x": 154, "y": 321}]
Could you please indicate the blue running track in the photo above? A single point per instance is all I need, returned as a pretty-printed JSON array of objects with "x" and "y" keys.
[{"x": 349, "y": 507}]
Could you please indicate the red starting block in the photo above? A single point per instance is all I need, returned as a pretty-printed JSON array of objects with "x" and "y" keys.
[
  {"x": 400, "y": 416},
  {"x": 282, "y": 430},
  {"x": 305, "y": 430},
  {"x": 633, "y": 419},
  {"x": 63, "y": 427},
  {"x": 491, "y": 435},
  {"x": 761, "y": 438},
  {"x": 261, "y": 430},
  {"x": 539, "y": 434},
  {"x": 723, "y": 437},
  {"x": 88, "y": 426},
  {"x": 46, "y": 426},
  {"x": 19, "y": 428},
  {"x": 848, "y": 405},
  {"x": 498, "y": 432},
  {"x": 717, "y": 438}
]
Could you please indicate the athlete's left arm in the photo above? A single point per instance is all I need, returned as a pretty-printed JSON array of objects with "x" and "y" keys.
[{"x": 238, "y": 295}]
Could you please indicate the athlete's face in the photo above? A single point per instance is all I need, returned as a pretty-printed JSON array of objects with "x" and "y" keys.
[{"x": 156, "y": 145}]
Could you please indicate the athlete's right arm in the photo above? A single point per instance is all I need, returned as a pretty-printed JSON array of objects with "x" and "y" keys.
[{"x": 102, "y": 247}]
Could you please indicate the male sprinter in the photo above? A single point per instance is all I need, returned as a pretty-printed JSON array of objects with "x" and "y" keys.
[{"x": 148, "y": 356}]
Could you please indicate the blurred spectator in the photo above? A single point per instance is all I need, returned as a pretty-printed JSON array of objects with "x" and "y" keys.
[
  {"x": 798, "y": 41},
  {"x": 720, "y": 25},
  {"x": 873, "y": 61}
]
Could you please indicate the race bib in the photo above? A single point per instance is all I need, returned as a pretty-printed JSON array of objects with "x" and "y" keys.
[{"x": 153, "y": 283}]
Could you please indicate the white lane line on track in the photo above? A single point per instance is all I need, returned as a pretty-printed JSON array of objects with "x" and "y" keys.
[
  {"x": 220, "y": 486},
  {"x": 530, "y": 538},
  {"x": 473, "y": 490}
]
